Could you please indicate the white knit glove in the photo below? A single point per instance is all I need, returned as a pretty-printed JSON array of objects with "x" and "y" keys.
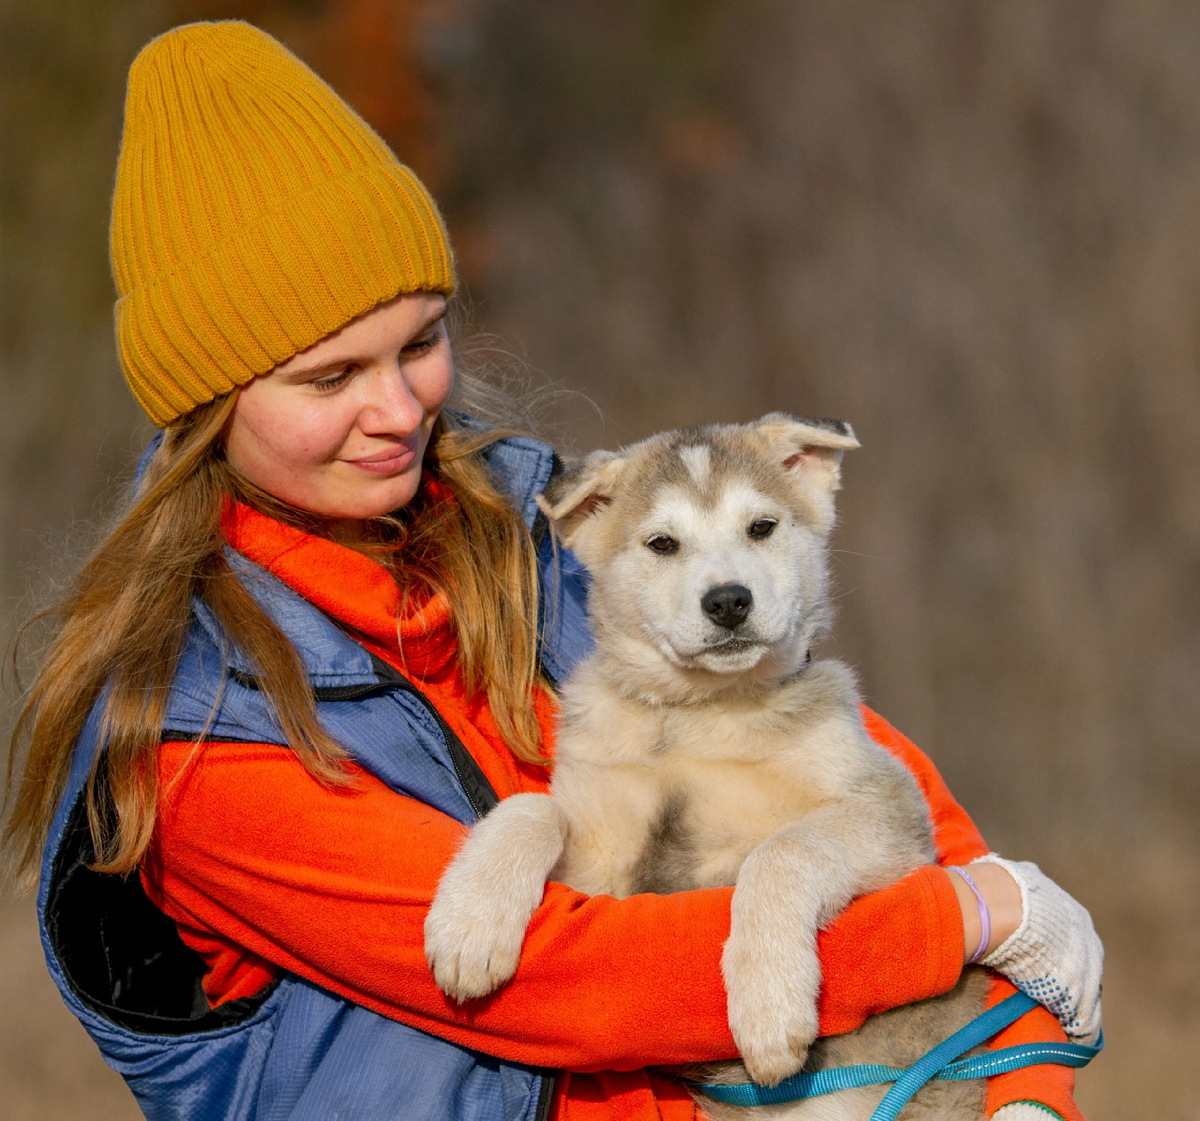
[
  {"x": 1025, "y": 1111},
  {"x": 1055, "y": 956}
]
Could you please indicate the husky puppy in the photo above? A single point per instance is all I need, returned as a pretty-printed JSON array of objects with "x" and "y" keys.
[{"x": 700, "y": 746}]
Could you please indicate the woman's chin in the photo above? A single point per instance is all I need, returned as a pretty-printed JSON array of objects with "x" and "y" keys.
[{"x": 360, "y": 503}]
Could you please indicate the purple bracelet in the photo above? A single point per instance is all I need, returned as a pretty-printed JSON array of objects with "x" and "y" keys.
[{"x": 985, "y": 916}]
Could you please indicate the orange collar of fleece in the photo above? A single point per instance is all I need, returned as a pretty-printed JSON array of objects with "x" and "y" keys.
[{"x": 359, "y": 594}]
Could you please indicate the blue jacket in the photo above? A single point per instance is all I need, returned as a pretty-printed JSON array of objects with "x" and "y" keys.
[{"x": 294, "y": 1051}]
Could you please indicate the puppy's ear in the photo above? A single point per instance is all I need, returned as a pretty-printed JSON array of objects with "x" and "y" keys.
[
  {"x": 573, "y": 499},
  {"x": 809, "y": 447}
]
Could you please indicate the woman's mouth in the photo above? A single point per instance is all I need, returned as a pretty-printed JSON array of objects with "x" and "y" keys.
[{"x": 390, "y": 461}]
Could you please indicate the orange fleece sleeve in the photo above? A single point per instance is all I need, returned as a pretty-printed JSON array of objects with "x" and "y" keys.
[{"x": 334, "y": 885}]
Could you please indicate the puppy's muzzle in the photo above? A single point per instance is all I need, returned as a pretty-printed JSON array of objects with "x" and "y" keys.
[{"x": 727, "y": 605}]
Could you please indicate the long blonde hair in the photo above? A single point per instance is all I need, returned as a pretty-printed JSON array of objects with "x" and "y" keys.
[{"x": 127, "y": 612}]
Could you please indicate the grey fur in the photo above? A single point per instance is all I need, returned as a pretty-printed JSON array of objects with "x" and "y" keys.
[{"x": 668, "y": 860}]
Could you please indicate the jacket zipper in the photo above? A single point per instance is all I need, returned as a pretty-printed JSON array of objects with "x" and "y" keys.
[{"x": 545, "y": 1096}]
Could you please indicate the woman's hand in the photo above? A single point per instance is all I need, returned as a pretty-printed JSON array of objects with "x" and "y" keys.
[{"x": 1042, "y": 940}]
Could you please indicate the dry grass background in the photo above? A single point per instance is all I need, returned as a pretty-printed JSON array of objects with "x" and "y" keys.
[{"x": 973, "y": 230}]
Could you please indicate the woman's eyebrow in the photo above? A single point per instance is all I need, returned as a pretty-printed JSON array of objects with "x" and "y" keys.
[
  {"x": 435, "y": 319},
  {"x": 331, "y": 363}
]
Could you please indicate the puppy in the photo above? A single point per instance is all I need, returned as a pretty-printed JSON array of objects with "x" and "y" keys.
[{"x": 700, "y": 745}]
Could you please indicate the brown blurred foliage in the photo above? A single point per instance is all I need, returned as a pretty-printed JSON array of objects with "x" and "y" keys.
[{"x": 972, "y": 230}]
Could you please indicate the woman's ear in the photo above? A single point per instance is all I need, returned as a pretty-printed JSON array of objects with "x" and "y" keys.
[{"x": 573, "y": 499}]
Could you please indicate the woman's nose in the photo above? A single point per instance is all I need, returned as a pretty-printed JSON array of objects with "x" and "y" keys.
[{"x": 389, "y": 407}]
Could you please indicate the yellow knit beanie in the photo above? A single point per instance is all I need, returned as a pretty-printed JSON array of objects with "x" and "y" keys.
[{"x": 254, "y": 214}]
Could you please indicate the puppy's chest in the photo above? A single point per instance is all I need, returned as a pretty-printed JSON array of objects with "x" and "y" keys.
[{"x": 683, "y": 803}]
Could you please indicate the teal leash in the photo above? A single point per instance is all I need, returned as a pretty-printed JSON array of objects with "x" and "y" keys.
[
  {"x": 935, "y": 1064},
  {"x": 981, "y": 1028}
]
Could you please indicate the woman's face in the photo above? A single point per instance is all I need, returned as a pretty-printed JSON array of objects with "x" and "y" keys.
[{"x": 341, "y": 428}]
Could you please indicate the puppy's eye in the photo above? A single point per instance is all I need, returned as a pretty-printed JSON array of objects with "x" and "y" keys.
[
  {"x": 761, "y": 529},
  {"x": 663, "y": 545}
]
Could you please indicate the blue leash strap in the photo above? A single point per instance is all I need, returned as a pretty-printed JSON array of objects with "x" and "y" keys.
[
  {"x": 806, "y": 1084},
  {"x": 1004, "y": 1059},
  {"x": 981, "y": 1028},
  {"x": 937, "y": 1063}
]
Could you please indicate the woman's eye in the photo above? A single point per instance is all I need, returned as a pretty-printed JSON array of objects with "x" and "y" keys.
[
  {"x": 421, "y": 345},
  {"x": 761, "y": 529},
  {"x": 663, "y": 545},
  {"x": 333, "y": 380}
]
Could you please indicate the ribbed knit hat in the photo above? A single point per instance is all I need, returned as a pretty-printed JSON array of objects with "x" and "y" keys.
[{"x": 255, "y": 212}]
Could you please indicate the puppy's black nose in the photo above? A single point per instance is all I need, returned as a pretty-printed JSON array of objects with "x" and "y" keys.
[{"x": 727, "y": 605}]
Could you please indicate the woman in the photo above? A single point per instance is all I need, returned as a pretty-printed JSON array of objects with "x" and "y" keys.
[{"x": 324, "y": 638}]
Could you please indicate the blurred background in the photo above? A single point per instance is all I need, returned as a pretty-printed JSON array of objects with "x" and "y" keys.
[{"x": 971, "y": 229}]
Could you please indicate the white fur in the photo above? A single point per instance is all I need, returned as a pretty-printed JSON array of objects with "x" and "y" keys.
[{"x": 696, "y": 460}]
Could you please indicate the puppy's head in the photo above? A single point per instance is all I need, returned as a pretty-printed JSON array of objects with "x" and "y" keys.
[{"x": 707, "y": 547}]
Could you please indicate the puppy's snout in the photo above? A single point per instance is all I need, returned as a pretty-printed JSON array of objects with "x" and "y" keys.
[{"x": 727, "y": 605}]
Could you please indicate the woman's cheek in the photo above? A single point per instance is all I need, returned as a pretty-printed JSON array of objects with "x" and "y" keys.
[
  {"x": 433, "y": 381},
  {"x": 317, "y": 439},
  {"x": 279, "y": 445},
  {"x": 305, "y": 434}
]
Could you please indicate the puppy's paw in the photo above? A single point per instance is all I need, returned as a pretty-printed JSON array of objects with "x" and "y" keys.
[
  {"x": 474, "y": 949},
  {"x": 476, "y": 926},
  {"x": 773, "y": 1039},
  {"x": 772, "y": 989}
]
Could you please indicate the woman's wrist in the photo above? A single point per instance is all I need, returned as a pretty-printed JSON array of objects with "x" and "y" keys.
[{"x": 1003, "y": 900}]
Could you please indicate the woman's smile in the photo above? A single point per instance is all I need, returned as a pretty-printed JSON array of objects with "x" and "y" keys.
[{"x": 389, "y": 461}]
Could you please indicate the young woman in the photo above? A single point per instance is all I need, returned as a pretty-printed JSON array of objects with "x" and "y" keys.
[{"x": 323, "y": 639}]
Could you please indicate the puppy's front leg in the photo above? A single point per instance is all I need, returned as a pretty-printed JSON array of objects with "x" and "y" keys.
[
  {"x": 787, "y": 888},
  {"x": 475, "y": 928}
]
